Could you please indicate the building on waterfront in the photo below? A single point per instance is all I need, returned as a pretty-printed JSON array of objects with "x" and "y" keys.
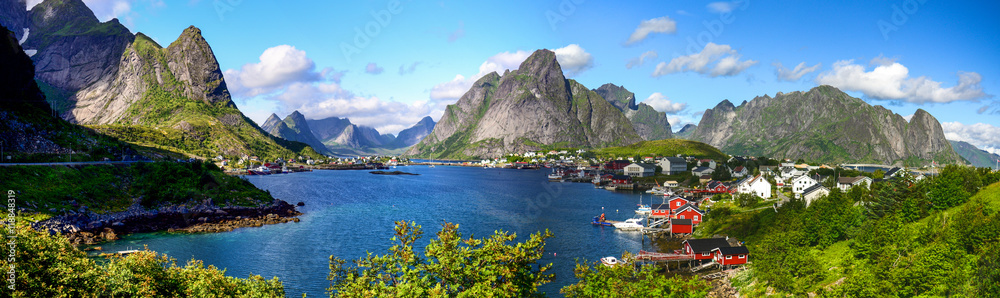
[{"x": 640, "y": 170}]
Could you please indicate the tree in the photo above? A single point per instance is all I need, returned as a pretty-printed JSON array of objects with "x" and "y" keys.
[
  {"x": 722, "y": 174},
  {"x": 451, "y": 266},
  {"x": 745, "y": 199},
  {"x": 625, "y": 281}
]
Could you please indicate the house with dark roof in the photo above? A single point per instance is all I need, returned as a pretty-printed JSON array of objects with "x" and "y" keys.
[
  {"x": 702, "y": 248},
  {"x": 739, "y": 172},
  {"x": 846, "y": 183},
  {"x": 701, "y": 171},
  {"x": 731, "y": 255},
  {"x": 673, "y": 165},
  {"x": 681, "y": 226},
  {"x": 814, "y": 192}
]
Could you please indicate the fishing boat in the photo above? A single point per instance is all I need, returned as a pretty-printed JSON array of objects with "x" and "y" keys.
[
  {"x": 612, "y": 261},
  {"x": 631, "y": 224},
  {"x": 556, "y": 175},
  {"x": 610, "y": 187},
  {"x": 643, "y": 209}
]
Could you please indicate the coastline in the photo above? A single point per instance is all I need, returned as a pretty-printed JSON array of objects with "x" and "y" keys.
[{"x": 89, "y": 228}]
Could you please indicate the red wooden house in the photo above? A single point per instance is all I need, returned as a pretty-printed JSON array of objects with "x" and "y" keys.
[
  {"x": 621, "y": 179},
  {"x": 716, "y": 187},
  {"x": 702, "y": 248},
  {"x": 736, "y": 255},
  {"x": 677, "y": 202},
  {"x": 661, "y": 211},
  {"x": 616, "y": 165},
  {"x": 680, "y": 226},
  {"x": 689, "y": 211}
]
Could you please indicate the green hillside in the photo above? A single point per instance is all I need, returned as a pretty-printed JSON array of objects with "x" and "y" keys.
[
  {"x": 902, "y": 238},
  {"x": 669, "y": 147}
]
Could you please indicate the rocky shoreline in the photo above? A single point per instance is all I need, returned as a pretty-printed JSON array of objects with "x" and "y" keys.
[{"x": 89, "y": 228}]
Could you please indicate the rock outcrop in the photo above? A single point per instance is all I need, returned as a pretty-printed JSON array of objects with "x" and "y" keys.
[
  {"x": 824, "y": 125},
  {"x": 648, "y": 123},
  {"x": 524, "y": 110}
]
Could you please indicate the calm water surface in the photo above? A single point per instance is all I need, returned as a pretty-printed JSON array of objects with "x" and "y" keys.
[{"x": 348, "y": 213}]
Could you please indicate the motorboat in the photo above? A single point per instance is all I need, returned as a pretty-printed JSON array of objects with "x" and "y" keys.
[
  {"x": 631, "y": 224},
  {"x": 612, "y": 261},
  {"x": 644, "y": 210}
]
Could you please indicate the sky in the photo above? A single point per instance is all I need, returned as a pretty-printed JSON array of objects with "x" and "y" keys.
[{"x": 387, "y": 64}]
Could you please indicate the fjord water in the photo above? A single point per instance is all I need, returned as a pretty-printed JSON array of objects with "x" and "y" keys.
[{"x": 349, "y": 213}]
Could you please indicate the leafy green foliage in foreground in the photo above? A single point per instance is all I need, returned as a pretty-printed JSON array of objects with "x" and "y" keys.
[
  {"x": 452, "y": 266},
  {"x": 49, "y": 266},
  {"x": 668, "y": 147},
  {"x": 108, "y": 188},
  {"x": 625, "y": 281},
  {"x": 902, "y": 238}
]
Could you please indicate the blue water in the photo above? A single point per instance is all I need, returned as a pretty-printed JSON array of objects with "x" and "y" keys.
[{"x": 348, "y": 213}]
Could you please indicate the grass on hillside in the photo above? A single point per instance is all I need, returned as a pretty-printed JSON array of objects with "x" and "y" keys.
[
  {"x": 668, "y": 147},
  {"x": 106, "y": 188}
]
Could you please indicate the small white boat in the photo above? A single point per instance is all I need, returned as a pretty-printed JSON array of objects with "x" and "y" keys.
[
  {"x": 610, "y": 187},
  {"x": 644, "y": 210},
  {"x": 611, "y": 261},
  {"x": 432, "y": 166},
  {"x": 631, "y": 224}
]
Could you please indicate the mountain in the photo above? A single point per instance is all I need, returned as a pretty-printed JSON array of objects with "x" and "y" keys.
[
  {"x": 28, "y": 129},
  {"x": 411, "y": 136},
  {"x": 650, "y": 124},
  {"x": 977, "y": 157},
  {"x": 295, "y": 127},
  {"x": 824, "y": 125},
  {"x": 527, "y": 109},
  {"x": 669, "y": 147},
  {"x": 14, "y": 16},
  {"x": 685, "y": 131},
  {"x": 128, "y": 86}
]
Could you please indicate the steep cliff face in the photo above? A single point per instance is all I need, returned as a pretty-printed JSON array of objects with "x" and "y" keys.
[
  {"x": 650, "y": 124},
  {"x": 523, "y": 110},
  {"x": 823, "y": 125},
  {"x": 411, "y": 136},
  {"x": 14, "y": 16},
  {"x": 75, "y": 50}
]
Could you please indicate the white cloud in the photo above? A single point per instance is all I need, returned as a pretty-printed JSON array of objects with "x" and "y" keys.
[
  {"x": 639, "y": 61},
  {"x": 893, "y": 82},
  {"x": 647, "y": 27},
  {"x": 784, "y": 74},
  {"x": 373, "y": 68},
  {"x": 403, "y": 70},
  {"x": 573, "y": 59},
  {"x": 454, "y": 89},
  {"x": 662, "y": 103},
  {"x": 714, "y": 60},
  {"x": 721, "y": 7},
  {"x": 982, "y": 135},
  {"x": 285, "y": 80}
]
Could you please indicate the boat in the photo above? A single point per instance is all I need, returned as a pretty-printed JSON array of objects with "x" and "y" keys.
[
  {"x": 612, "y": 261},
  {"x": 610, "y": 187},
  {"x": 600, "y": 221},
  {"x": 631, "y": 224},
  {"x": 432, "y": 166},
  {"x": 556, "y": 176},
  {"x": 644, "y": 210}
]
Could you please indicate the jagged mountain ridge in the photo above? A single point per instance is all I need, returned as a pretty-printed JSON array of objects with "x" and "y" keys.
[
  {"x": 128, "y": 86},
  {"x": 339, "y": 135},
  {"x": 824, "y": 125},
  {"x": 523, "y": 110},
  {"x": 650, "y": 124},
  {"x": 975, "y": 156},
  {"x": 685, "y": 131}
]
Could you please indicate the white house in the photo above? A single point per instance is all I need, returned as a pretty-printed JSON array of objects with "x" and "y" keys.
[
  {"x": 673, "y": 165},
  {"x": 640, "y": 170},
  {"x": 814, "y": 192},
  {"x": 801, "y": 183},
  {"x": 701, "y": 171},
  {"x": 845, "y": 183},
  {"x": 671, "y": 183},
  {"x": 740, "y": 172},
  {"x": 711, "y": 163},
  {"x": 791, "y": 172},
  {"x": 756, "y": 186}
]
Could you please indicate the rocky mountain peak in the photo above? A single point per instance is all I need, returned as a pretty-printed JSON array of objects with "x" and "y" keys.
[
  {"x": 618, "y": 96},
  {"x": 192, "y": 61},
  {"x": 542, "y": 64},
  {"x": 725, "y": 105}
]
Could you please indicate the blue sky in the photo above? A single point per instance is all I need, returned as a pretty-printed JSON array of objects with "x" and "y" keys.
[{"x": 412, "y": 58}]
